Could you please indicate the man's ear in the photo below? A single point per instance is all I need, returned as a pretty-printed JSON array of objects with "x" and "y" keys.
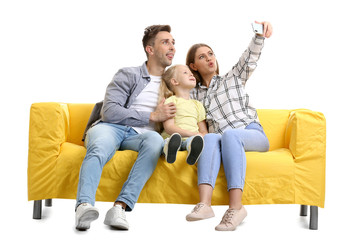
[
  {"x": 193, "y": 66},
  {"x": 149, "y": 50}
]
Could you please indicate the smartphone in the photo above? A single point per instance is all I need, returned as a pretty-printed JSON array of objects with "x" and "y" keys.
[{"x": 257, "y": 28}]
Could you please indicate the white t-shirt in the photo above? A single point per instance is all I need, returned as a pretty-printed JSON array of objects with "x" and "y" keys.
[{"x": 147, "y": 101}]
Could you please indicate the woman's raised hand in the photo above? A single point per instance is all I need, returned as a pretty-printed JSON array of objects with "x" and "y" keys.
[{"x": 267, "y": 29}]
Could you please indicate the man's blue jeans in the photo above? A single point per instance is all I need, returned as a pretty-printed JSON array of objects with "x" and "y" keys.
[
  {"x": 102, "y": 141},
  {"x": 229, "y": 149}
]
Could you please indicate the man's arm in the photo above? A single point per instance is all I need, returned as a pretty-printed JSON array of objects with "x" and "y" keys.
[
  {"x": 117, "y": 95},
  {"x": 163, "y": 112}
]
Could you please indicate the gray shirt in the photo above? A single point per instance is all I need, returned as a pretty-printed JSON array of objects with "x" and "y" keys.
[{"x": 125, "y": 86}]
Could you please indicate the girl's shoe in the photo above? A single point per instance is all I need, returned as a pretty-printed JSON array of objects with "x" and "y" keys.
[
  {"x": 195, "y": 149},
  {"x": 201, "y": 211},
  {"x": 231, "y": 219},
  {"x": 172, "y": 145}
]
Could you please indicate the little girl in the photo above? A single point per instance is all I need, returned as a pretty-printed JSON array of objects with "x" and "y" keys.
[{"x": 189, "y": 121}]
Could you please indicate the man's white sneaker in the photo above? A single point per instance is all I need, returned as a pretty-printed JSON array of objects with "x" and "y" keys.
[
  {"x": 115, "y": 217},
  {"x": 85, "y": 214}
]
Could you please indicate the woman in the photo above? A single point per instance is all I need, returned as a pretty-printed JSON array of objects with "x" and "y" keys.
[{"x": 233, "y": 125}]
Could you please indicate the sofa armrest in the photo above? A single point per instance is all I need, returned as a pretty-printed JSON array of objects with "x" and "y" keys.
[
  {"x": 49, "y": 124},
  {"x": 306, "y": 139},
  {"x": 305, "y": 135}
]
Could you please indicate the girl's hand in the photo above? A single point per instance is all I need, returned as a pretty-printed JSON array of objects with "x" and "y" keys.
[{"x": 267, "y": 29}]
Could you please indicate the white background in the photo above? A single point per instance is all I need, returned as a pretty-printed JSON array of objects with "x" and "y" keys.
[{"x": 68, "y": 51}]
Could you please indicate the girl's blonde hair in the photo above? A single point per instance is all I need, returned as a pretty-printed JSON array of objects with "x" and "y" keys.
[{"x": 166, "y": 90}]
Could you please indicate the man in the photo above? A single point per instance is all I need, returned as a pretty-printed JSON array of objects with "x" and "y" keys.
[{"x": 128, "y": 116}]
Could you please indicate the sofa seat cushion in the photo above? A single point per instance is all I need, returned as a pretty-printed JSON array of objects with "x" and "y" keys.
[{"x": 269, "y": 178}]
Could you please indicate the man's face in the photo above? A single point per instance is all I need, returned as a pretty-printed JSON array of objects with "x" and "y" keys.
[{"x": 164, "y": 49}]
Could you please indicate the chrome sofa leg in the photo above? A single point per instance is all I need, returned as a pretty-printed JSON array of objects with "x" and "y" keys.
[
  {"x": 303, "y": 210},
  {"x": 37, "y": 209},
  {"x": 48, "y": 202},
  {"x": 313, "y": 221}
]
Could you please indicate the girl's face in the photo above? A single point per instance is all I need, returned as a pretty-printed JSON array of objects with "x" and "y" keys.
[
  {"x": 184, "y": 77},
  {"x": 204, "y": 61}
]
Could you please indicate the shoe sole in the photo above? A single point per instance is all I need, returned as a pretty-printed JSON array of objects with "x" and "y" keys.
[
  {"x": 193, "y": 219},
  {"x": 118, "y": 226},
  {"x": 85, "y": 220},
  {"x": 195, "y": 150},
  {"x": 174, "y": 144}
]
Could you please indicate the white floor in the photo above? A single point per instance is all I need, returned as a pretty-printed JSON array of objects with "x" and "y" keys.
[{"x": 167, "y": 221}]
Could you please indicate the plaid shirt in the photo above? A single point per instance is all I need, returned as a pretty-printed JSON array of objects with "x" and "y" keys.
[{"x": 225, "y": 100}]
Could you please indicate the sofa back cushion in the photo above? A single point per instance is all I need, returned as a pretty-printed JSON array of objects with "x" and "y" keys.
[
  {"x": 79, "y": 115},
  {"x": 274, "y": 123}
]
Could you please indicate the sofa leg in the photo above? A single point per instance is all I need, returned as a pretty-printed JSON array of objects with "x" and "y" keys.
[
  {"x": 303, "y": 210},
  {"x": 313, "y": 221},
  {"x": 37, "y": 209},
  {"x": 48, "y": 202}
]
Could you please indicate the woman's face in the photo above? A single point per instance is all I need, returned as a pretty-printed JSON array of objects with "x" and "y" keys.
[{"x": 204, "y": 61}]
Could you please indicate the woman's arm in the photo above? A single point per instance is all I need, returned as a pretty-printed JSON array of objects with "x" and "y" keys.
[
  {"x": 248, "y": 61},
  {"x": 203, "y": 128},
  {"x": 170, "y": 128}
]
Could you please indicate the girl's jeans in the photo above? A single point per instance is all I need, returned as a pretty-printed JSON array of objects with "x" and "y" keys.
[
  {"x": 185, "y": 144},
  {"x": 230, "y": 149},
  {"x": 102, "y": 141}
]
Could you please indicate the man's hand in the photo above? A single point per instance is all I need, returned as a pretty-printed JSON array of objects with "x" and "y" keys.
[
  {"x": 163, "y": 112},
  {"x": 267, "y": 29}
]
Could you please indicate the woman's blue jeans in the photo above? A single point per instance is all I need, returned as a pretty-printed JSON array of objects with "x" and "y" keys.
[
  {"x": 102, "y": 141},
  {"x": 229, "y": 149}
]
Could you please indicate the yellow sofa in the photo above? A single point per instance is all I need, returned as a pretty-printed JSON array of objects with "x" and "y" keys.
[{"x": 291, "y": 172}]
